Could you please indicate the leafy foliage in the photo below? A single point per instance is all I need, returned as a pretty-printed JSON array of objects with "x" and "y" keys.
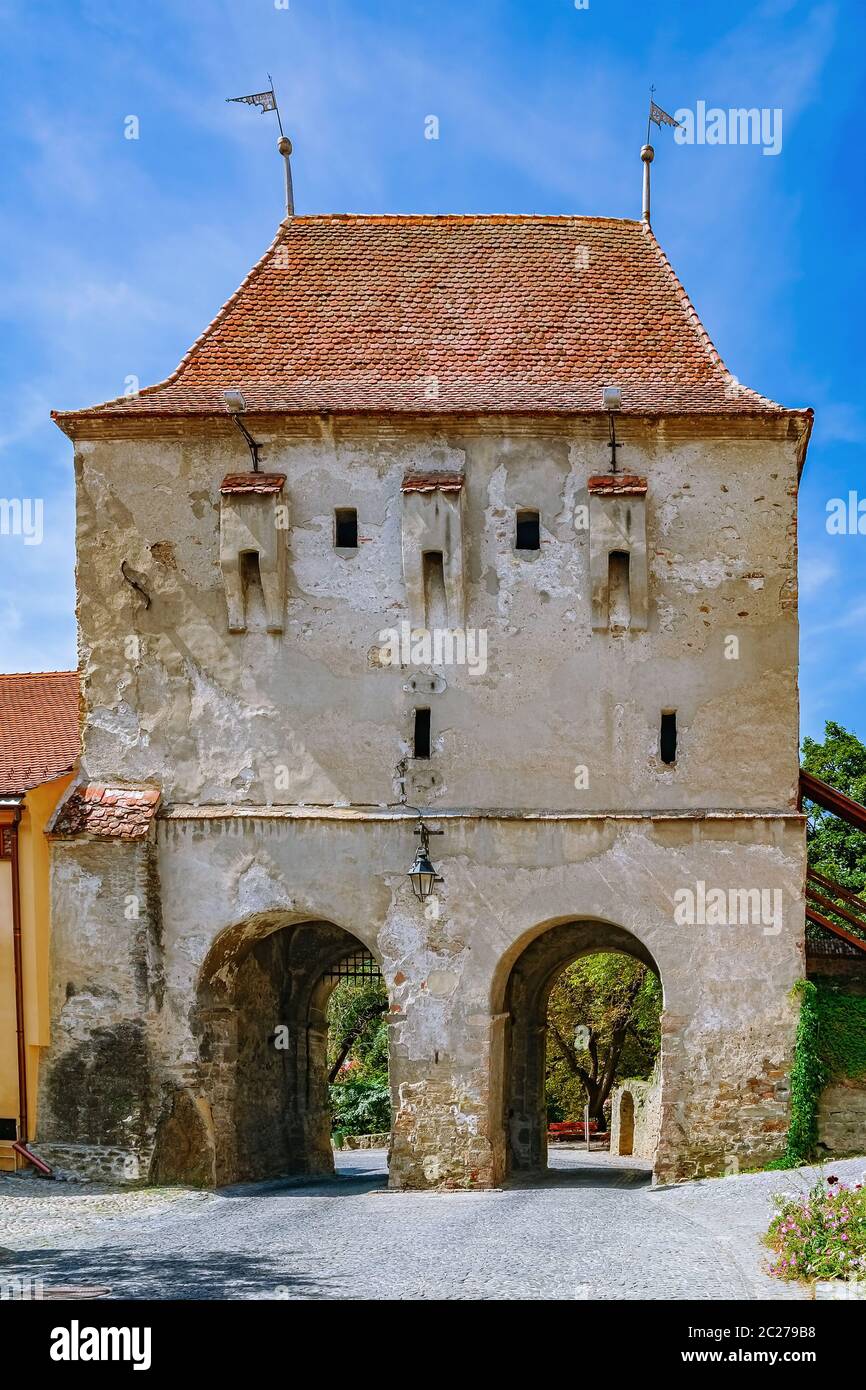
[
  {"x": 808, "y": 1079},
  {"x": 616, "y": 1002},
  {"x": 358, "y": 1057},
  {"x": 821, "y": 1235},
  {"x": 836, "y": 849},
  {"x": 830, "y": 1043},
  {"x": 361, "y": 1105},
  {"x": 842, "y": 1032}
]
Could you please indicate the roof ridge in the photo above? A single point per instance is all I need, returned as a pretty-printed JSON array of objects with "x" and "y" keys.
[
  {"x": 531, "y": 217},
  {"x": 19, "y": 675}
]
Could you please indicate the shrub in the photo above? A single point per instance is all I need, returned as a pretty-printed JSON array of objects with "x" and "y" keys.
[
  {"x": 821, "y": 1235},
  {"x": 361, "y": 1105}
]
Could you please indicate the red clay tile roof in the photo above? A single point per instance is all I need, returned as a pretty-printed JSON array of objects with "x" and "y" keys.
[
  {"x": 432, "y": 482},
  {"x": 452, "y": 314},
  {"x": 252, "y": 482},
  {"x": 114, "y": 813},
  {"x": 617, "y": 484},
  {"x": 38, "y": 728}
]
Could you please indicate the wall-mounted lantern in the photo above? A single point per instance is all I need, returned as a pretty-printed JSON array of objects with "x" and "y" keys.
[{"x": 422, "y": 874}]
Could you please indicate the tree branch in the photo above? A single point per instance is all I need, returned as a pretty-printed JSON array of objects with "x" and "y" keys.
[{"x": 357, "y": 1030}]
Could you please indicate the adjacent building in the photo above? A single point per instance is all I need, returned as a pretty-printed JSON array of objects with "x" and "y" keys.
[{"x": 38, "y": 752}]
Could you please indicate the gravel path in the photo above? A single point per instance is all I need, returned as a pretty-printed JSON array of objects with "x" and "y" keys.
[{"x": 594, "y": 1229}]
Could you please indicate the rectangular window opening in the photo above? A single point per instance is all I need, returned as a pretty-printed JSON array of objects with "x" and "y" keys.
[
  {"x": 668, "y": 736},
  {"x": 435, "y": 598},
  {"x": 421, "y": 744},
  {"x": 527, "y": 531},
  {"x": 619, "y": 595},
  {"x": 346, "y": 528}
]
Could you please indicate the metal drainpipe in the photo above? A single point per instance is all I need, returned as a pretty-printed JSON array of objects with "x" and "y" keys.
[{"x": 18, "y": 972}]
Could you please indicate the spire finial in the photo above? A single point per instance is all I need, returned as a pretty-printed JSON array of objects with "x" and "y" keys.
[{"x": 647, "y": 153}]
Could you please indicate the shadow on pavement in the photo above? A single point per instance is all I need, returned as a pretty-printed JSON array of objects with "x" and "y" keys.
[
  {"x": 129, "y": 1274},
  {"x": 593, "y": 1175}
]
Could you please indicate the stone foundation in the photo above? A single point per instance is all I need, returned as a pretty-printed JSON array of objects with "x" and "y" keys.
[{"x": 94, "y": 1162}]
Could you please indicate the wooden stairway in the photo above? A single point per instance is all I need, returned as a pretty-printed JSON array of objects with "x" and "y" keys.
[{"x": 823, "y": 895}]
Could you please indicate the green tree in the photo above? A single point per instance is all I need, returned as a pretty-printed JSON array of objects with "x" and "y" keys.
[
  {"x": 358, "y": 1034},
  {"x": 603, "y": 1024},
  {"x": 356, "y": 1028},
  {"x": 836, "y": 849}
]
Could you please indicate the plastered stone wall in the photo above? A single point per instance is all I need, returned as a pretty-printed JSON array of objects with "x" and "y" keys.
[
  {"x": 280, "y": 756},
  {"x": 636, "y": 1133},
  {"x": 311, "y": 716},
  {"x": 728, "y": 1022}
]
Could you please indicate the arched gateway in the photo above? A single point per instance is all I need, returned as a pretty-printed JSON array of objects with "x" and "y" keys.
[
  {"x": 525, "y": 994},
  {"x": 258, "y": 1105}
]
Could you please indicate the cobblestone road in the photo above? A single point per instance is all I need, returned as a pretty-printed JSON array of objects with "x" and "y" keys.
[{"x": 593, "y": 1230}]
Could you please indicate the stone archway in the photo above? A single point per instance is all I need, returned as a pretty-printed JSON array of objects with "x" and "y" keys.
[
  {"x": 258, "y": 1106},
  {"x": 522, "y": 1007}
]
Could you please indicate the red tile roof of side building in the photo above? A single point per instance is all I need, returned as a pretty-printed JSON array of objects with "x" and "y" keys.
[
  {"x": 452, "y": 314},
  {"x": 39, "y": 737}
]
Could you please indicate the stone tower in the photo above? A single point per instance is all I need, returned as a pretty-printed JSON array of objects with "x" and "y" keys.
[{"x": 369, "y": 549}]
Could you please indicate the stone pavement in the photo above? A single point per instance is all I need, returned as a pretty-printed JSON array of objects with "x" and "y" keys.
[{"x": 593, "y": 1229}]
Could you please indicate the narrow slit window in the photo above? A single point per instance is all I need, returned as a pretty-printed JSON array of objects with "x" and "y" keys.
[
  {"x": 251, "y": 573},
  {"x": 422, "y": 733},
  {"x": 252, "y": 589},
  {"x": 527, "y": 531},
  {"x": 668, "y": 737},
  {"x": 619, "y": 596},
  {"x": 346, "y": 528},
  {"x": 435, "y": 598}
]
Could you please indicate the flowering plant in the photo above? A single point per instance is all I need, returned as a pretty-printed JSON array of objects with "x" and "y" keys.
[{"x": 820, "y": 1235}]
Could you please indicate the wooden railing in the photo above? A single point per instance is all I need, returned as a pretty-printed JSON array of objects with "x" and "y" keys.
[{"x": 823, "y": 895}]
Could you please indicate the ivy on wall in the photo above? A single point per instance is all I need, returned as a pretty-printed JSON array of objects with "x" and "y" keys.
[
  {"x": 830, "y": 1044},
  {"x": 842, "y": 1033}
]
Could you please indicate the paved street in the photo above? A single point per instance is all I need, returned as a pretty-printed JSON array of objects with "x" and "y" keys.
[{"x": 593, "y": 1230}]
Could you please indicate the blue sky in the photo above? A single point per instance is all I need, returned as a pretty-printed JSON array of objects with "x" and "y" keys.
[{"x": 117, "y": 252}]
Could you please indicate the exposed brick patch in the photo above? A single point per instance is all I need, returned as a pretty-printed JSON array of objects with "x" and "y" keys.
[{"x": 115, "y": 813}]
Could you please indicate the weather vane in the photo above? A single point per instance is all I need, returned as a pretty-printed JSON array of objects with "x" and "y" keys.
[
  {"x": 656, "y": 117},
  {"x": 267, "y": 101}
]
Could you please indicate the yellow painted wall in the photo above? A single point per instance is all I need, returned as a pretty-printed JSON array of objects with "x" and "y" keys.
[
  {"x": 33, "y": 858},
  {"x": 8, "y": 1063}
]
